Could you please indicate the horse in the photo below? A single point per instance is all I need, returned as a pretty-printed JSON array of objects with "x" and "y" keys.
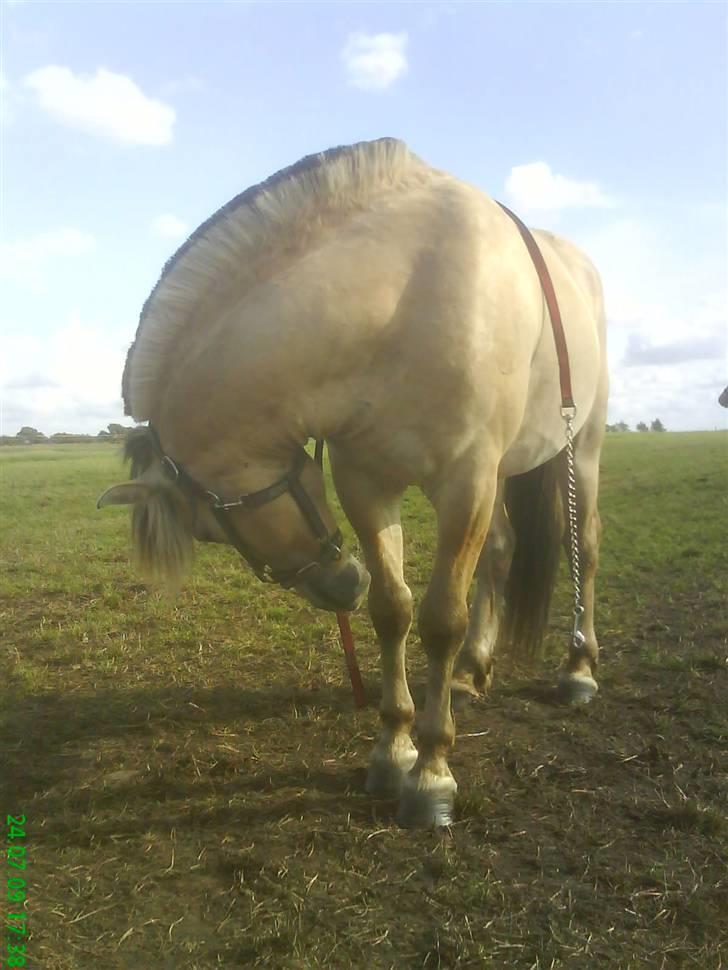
[{"x": 363, "y": 297}]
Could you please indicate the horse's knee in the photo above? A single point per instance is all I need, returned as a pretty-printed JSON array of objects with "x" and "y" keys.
[
  {"x": 390, "y": 608},
  {"x": 442, "y": 625}
]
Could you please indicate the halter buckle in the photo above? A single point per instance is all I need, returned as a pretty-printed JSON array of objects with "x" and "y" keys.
[{"x": 217, "y": 503}]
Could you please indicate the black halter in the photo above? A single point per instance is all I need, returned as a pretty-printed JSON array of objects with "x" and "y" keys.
[{"x": 331, "y": 543}]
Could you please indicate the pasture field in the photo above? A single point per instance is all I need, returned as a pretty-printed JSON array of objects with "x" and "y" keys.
[{"x": 192, "y": 771}]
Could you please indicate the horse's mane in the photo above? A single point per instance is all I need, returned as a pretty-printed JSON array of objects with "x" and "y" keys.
[{"x": 228, "y": 248}]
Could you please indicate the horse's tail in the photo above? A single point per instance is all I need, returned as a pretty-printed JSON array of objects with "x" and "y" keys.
[
  {"x": 535, "y": 513},
  {"x": 161, "y": 522}
]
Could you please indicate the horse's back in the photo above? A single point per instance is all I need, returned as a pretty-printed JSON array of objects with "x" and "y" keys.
[
  {"x": 437, "y": 316},
  {"x": 434, "y": 322}
]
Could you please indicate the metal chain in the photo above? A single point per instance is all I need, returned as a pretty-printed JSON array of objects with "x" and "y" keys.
[{"x": 578, "y": 638}]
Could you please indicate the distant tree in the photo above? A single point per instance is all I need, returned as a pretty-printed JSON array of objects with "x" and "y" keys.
[
  {"x": 621, "y": 426},
  {"x": 117, "y": 429},
  {"x": 657, "y": 425},
  {"x": 642, "y": 426},
  {"x": 103, "y": 434},
  {"x": 69, "y": 438},
  {"x": 27, "y": 433}
]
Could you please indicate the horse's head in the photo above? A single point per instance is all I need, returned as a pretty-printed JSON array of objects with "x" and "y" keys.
[{"x": 284, "y": 529}]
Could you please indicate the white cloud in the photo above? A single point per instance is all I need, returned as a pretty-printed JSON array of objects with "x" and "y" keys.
[
  {"x": 631, "y": 259},
  {"x": 536, "y": 187},
  {"x": 374, "y": 61},
  {"x": 667, "y": 314},
  {"x": 670, "y": 361},
  {"x": 106, "y": 104},
  {"x": 684, "y": 397},
  {"x": 642, "y": 352},
  {"x": 68, "y": 380},
  {"x": 169, "y": 226},
  {"x": 25, "y": 260}
]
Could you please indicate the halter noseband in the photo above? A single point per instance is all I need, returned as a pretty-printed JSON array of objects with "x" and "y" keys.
[{"x": 331, "y": 542}]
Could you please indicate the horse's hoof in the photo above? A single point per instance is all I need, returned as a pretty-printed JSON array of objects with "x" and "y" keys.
[
  {"x": 462, "y": 695},
  {"x": 468, "y": 689},
  {"x": 430, "y": 807},
  {"x": 577, "y": 688},
  {"x": 385, "y": 779},
  {"x": 386, "y": 775}
]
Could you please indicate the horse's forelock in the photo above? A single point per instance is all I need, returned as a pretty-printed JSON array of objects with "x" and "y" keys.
[
  {"x": 161, "y": 533},
  {"x": 140, "y": 450}
]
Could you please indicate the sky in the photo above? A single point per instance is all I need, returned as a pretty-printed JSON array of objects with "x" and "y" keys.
[{"x": 126, "y": 124}]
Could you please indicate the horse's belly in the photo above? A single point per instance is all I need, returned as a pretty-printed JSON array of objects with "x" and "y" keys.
[{"x": 541, "y": 435}]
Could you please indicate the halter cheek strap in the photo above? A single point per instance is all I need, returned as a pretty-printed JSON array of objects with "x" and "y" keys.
[{"x": 330, "y": 543}]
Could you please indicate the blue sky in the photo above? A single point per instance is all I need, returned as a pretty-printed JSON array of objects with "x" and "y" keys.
[{"x": 124, "y": 125}]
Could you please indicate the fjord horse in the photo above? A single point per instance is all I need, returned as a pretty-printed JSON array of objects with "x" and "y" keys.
[{"x": 366, "y": 298}]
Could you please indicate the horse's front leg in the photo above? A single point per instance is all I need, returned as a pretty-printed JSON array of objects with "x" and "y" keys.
[
  {"x": 374, "y": 513},
  {"x": 463, "y": 501}
]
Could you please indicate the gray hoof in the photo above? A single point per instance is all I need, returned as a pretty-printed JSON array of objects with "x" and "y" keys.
[
  {"x": 427, "y": 808},
  {"x": 577, "y": 689},
  {"x": 385, "y": 779}
]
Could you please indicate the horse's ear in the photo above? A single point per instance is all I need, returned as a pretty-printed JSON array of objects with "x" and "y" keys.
[{"x": 128, "y": 493}]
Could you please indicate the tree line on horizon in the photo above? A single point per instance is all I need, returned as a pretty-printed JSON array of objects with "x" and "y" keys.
[
  {"x": 32, "y": 436},
  {"x": 656, "y": 425},
  {"x": 117, "y": 432}
]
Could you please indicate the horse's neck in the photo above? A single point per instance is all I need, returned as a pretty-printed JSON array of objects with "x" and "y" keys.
[{"x": 258, "y": 399}]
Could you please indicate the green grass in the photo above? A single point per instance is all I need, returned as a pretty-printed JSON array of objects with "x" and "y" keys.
[{"x": 192, "y": 770}]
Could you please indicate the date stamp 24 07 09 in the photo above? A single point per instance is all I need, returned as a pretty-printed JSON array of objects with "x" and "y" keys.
[{"x": 16, "y": 925}]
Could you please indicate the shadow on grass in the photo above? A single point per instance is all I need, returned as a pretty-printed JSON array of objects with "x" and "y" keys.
[{"x": 52, "y": 739}]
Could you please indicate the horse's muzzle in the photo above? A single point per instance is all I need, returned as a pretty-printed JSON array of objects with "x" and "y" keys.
[{"x": 340, "y": 591}]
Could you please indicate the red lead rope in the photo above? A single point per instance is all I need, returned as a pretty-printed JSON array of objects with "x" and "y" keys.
[
  {"x": 347, "y": 642},
  {"x": 347, "y": 638}
]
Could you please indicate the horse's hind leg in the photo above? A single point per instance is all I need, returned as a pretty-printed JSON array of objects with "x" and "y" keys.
[
  {"x": 463, "y": 500},
  {"x": 374, "y": 514},
  {"x": 473, "y": 672},
  {"x": 578, "y": 678}
]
